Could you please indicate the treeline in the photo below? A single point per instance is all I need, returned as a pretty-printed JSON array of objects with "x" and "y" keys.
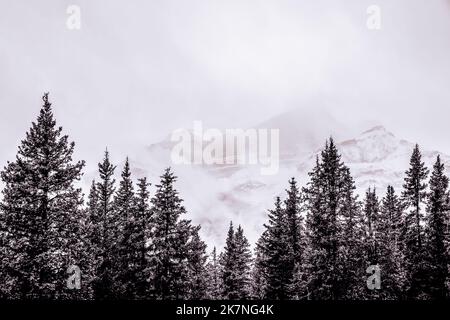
[
  {"x": 317, "y": 243},
  {"x": 124, "y": 243},
  {"x": 320, "y": 242}
]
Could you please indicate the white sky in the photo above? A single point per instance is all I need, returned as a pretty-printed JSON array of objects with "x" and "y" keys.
[{"x": 139, "y": 69}]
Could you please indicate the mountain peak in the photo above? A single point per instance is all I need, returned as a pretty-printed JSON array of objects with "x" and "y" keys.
[
  {"x": 373, "y": 145},
  {"x": 377, "y": 129}
]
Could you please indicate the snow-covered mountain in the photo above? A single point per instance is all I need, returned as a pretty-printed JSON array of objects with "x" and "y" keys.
[
  {"x": 214, "y": 195},
  {"x": 378, "y": 158}
]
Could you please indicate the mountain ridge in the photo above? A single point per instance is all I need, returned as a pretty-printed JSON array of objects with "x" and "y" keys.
[{"x": 214, "y": 195}]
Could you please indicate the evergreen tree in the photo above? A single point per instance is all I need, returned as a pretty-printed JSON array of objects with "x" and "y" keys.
[
  {"x": 129, "y": 267},
  {"x": 278, "y": 251},
  {"x": 321, "y": 197},
  {"x": 124, "y": 199},
  {"x": 236, "y": 266},
  {"x": 294, "y": 221},
  {"x": 351, "y": 251},
  {"x": 330, "y": 207},
  {"x": 299, "y": 286},
  {"x": 41, "y": 213},
  {"x": 391, "y": 260},
  {"x": 228, "y": 262},
  {"x": 214, "y": 281},
  {"x": 243, "y": 263},
  {"x": 371, "y": 212},
  {"x": 93, "y": 236},
  {"x": 103, "y": 234},
  {"x": 437, "y": 219},
  {"x": 259, "y": 282},
  {"x": 143, "y": 223},
  {"x": 180, "y": 261},
  {"x": 413, "y": 196},
  {"x": 314, "y": 254},
  {"x": 169, "y": 247},
  {"x": 197, "y": 266}
]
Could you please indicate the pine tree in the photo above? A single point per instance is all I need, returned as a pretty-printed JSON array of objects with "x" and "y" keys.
[
  {"x": 352, "y": 246},
  {"x": 259, "y": 282},
  {"x": 297, "y": 239},
  {"x": 228, "y": 262},
  {"x": 41, "y": 213},
  {"x": 236, "y": 263},
  {"x": 180, "y": 260},
  {"x": 197, "y": 266},
  {"x": 438, "y": 211},
  {"x": 169, "y": 250},
  {"x": 322, "y": 200},
  {"x": 143, "y": 224},
  {"x": 243, "y": 263},
  {"x": 103, "y": 233},
  {"x": 128, "y": 270},
  {"x": 371, "y": 212},
  {"x": 391, "y": 260},
  {"x": 93, "y": 235},
  {"x": 214, "y": 281},
  {"x": 132, "y": 226},
  {"x": 124, "y": 199},
  {"x": 413, "y": 196},
  {"x": 294, "y": 221},
  {"x": 333, "y": 230},
  {"x": 278, "y": 251}
]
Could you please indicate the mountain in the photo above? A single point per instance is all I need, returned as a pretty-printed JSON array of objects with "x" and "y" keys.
[
  {"x": 377, "y": 158},
  {"x": 216, "y": 194}
]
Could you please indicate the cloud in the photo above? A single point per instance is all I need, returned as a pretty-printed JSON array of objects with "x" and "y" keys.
[{"x": 135, "y": 71}]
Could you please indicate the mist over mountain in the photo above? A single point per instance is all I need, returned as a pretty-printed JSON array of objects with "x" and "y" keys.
[{"x": 216, "y": 194}]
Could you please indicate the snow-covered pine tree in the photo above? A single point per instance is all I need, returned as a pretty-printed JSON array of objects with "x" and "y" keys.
[
  {"x": 243, "y": 264},
  {"x": 259, "y": 282},
  {"x": 180, "y": 272},
  {"x": 169, "y": 245},
  {"x": 371, "y": 212},
  {"x": 278, "y": 252},
  {"x": 197, "y": 266},
  {"x": 391, "y": 261},
  {"x": 236, "y": 263},
  {"x": 93, "y": 236},
  {"x": 436, "y": 251},
  {"x": 294, "y": 221},
  {"x": 327, "y": 205},
  {"x": 304, "y": 281},
  {"x": 413, "y": 196},
  {"x": 227, "y": 261},
  {"x": 128, "y": 268},
  {"x": 143, "y": 224},
  {"x": 41, "y": 213},
  {"x": 351, "y": 251},
  {"x": 214, "y": 280},
  {"x": 315, "y": 222},
  {"x": 103, "y": 235}
]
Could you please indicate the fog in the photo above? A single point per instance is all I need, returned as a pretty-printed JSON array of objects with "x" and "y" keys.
[{"x": 136, "y": 70}]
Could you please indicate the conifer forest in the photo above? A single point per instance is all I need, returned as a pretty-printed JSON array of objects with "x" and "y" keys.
[
  {"x": 225, "y": 159},
  {"x": 321, "y": 241}
]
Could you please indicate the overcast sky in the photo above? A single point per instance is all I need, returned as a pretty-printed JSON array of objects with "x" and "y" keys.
[{"x": 139, "y": 69}]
